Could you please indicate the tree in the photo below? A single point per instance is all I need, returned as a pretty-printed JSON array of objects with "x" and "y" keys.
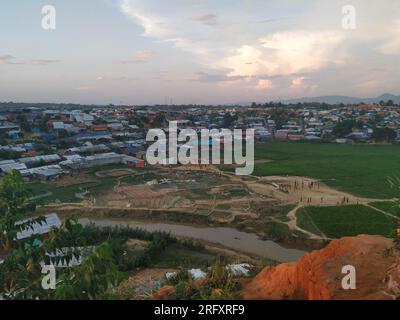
[
  {"x": 229, "y": 120},
  {"x": 343, "y": 128},
  {"x": 384, "y": 134},
  {"x": 23, "y": 122},
  {"x": 280, "y": 116},
  {"x": 14, "y": 205},
  {"x": 94, "y": 279}
]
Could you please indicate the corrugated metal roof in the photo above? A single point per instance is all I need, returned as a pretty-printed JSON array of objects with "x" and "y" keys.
[
  {"x": 12, "y": 166},
  {"x": 50, "y": 157},
  {"x": 52, "y": 221}
]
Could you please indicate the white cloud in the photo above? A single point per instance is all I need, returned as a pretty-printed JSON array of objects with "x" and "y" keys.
[
  {"x": 264, "y": 84},
  {"x": 297, "y": 83},
  {"x": 208, "y": 19},
  {"x": 310, "y": 40},
  {"x": 153, "y": 26},
  {"x": 286, "y": 53}
]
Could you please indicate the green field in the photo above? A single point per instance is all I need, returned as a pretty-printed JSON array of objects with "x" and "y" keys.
[
  {"x": 67, "y": 193},
  {"x": 358, "y": 169},
  {"x": 281, "y": 231},
  {"x": 336, "y": 222},
  {"x": 388, "y": 206}
]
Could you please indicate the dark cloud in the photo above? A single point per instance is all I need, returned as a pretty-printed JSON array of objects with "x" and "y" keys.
[
  {"x": 11, "y": 60},
  {"x": 8, "y": 59},
  {"x": 43, "y": 62},
  {"x": 208, "y": 19}
]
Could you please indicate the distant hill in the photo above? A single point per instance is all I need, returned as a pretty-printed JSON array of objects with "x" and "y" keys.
[{"x": 345, "y": 99}]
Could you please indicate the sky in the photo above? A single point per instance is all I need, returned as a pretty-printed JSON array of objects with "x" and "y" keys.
[{"x": 198, "y": 51}]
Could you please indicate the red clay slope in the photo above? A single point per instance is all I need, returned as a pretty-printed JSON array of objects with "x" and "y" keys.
[{"x": 318, "y": 275}]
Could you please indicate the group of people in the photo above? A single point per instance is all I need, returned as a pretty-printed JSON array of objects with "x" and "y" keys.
[{"x": 311, "y": 185}]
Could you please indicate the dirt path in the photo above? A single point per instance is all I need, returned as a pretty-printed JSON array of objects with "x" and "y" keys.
[
  {"x": 381, "y": 211},
  {"x": 292, "y": 224}
]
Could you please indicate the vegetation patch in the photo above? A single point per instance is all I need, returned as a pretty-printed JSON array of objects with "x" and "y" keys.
[
  {"x": 336, "y": 222},
  {"x": 358, "y": 169},
  {"x": 388, "y": 206}
]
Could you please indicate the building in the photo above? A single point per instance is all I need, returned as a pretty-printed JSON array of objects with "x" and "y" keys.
[
  {"x": 51, "y": 158},
  {"x": 7, "y": 166},
  {"x": 51, "y": 221},
  {"x": 44, "y": 173}
]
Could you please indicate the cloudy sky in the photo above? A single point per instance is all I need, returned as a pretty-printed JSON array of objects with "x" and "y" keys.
[{"x": 197, "y": 51}]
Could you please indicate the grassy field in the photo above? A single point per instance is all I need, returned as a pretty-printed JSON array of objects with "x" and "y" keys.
[
  {"x": 358, "y": 169},
  {"x": 336, "y": 222},
  {"x": 281, "y": 231},
  {"x": 67, "y": 193},
  {"x": 388, "y": 206}
]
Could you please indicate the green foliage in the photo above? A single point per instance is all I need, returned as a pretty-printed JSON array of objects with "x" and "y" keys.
[
  {"x": 345, "y": 127},
  {"x": 23, "y": 122},
  {"x": 96, "y": 278},
  {"x": 178, "y": 255},
  {"x": 229, "y": 120},
  {"x": 336, "y": 222},
  {"x": 9, "y": 154},
  {"x": 384, "y": 134},
  {"x": 219, "y": 284},
  {"x": 14, "y": 205},
  {"x": 280, "y": 116},
  {"x": 277, "y": 230}
]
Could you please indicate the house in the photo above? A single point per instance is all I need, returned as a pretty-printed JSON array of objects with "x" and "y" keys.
[
  {"x": 83, "y": 118},
  {"x": 90, "y": 148},
  {"x": 295, "y": 137},
  {"x": 281, "y": 134},
  {"x": 44, "y": 173},
  {"x": 58, "y": 125},
  {"x": 51, "y": 221},
  {"x": 115, "y": 126},
  {"x": 8, "y": 126},
  {"x": 77, "y": 162},
  {"x": 51, "y": 158},
  {"x": 7, "y": 166},
  {"x": 99, "y": 127},
  {"x": 133, "y": 161}
]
